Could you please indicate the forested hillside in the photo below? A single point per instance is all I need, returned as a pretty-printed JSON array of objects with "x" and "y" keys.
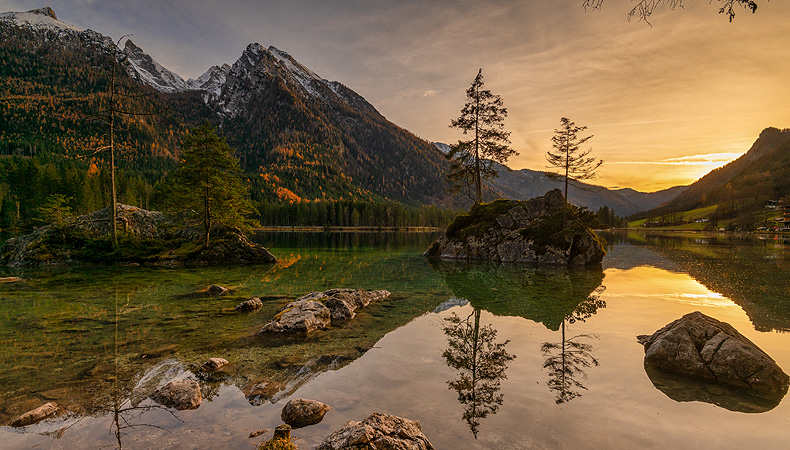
[{"x": 743, "y": 186}]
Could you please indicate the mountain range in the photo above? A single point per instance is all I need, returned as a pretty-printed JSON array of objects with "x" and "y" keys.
[{"x": 297, "y": 135}]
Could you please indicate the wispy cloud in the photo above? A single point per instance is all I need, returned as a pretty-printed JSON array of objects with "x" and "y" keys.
[
  {"x": 430, "y": 93},
  {"x": 705, "y": 159}
]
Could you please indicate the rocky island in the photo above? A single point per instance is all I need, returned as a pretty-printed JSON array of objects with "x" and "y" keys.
[
  {"x": 145, "y": 237},
  {"x": 531, "y": 231}
]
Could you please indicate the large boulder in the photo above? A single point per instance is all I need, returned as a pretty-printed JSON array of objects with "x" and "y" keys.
[
  {"x": 317, "y": 310},
  {"x": 302, "y": 316},
  {"x": 179, "y": 394},
  {"x": 378, "y": 431},
  {"x": 301, "y": 412},
  {"x": 701, "y": 346},
  {"x": 343, "y": 302},
  {"x": 37, "y": 415},
  {"x": 531, "y": 231}
]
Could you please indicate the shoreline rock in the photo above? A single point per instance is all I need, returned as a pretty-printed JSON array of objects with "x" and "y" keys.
[
  {"x": 37, "y": 415},
  {"x": 318, "y": 310},
  {"x": 378, "y": 431},
  {"x": 700, "y": 346},
  {"x": 530, "y": 231}
]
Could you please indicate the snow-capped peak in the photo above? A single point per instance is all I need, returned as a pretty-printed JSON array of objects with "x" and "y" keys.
[
  {"x": 212, "y": 80},
  {"x": 293, "y": 66},
  {"x": 37, "y": 19},
  {"x": 143, "y": 68}
]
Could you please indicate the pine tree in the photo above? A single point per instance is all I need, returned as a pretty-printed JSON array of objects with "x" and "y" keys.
[
  {"x": 207, "y": 183},
  {"x": 472, "y": 160},
  {"x": 568, "y": 157}
]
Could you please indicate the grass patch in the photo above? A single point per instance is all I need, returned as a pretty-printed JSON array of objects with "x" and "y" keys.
[{"x": 479, "y": 219}]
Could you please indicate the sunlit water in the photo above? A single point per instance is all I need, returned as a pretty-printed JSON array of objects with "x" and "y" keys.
[{"x": 100, "y": 340}]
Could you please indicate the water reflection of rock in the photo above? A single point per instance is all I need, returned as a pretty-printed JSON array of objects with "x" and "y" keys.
[
  {"x": 541, "y": 294},
  {"x": 481, "y": 364},
  {"x": 686, "y": 389}
]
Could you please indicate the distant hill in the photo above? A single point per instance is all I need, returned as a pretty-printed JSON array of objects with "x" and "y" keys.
[
  {"x": 525, "y": 183},
  {"x": 761, "y": 174}
]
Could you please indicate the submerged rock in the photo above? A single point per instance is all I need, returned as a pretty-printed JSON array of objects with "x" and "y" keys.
[
  {"x": 343, "y": 303},
  {"x": 529, "y": 231},
  {"x": 302, "y": 316},
  {"x": 37, "y": 415},
  {"x": 249, "y": 305},
  {"x": 378, "y": 431},
  {"x": 701, "y": 346},
  {"x": 214, "y": 364},
  {"x": 179, "y": 394},
  {"x": 301, "y": 412}
]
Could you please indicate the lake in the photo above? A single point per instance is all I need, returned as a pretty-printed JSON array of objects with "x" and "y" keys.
[{"x": 100, "y": 340}]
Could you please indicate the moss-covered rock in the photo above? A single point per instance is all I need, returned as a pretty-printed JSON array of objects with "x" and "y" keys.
[{"x": 533, "y": 231}]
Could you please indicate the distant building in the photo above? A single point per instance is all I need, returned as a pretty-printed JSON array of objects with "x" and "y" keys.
[
  {"x": 783, "y": 220},
  {"x": 705, "y": 220}
]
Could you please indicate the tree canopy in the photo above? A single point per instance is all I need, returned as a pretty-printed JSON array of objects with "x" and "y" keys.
[
  {"x": 644, "y": 8},
  {"x": 207, "y": 184},
  {"x": 483, "y": 118},
  {"x": 567, "y": 156}
]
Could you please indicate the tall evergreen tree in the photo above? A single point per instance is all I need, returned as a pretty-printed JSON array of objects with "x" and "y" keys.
[
  {"x": 482, "y": 117},
  {"x": 568, "y": 157},
  {"x": 207, "y": 183}
]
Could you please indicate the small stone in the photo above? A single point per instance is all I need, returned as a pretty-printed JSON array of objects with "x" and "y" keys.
[
  {"x": 181, "y": 394},
  {"x": 213, "y": 364},
  {"x": 37, "y": 415},
  {"x": 249, "y": 305},
  {"x": 258, "y": 433},
  {"x": 300, "y": 412},
  {"x": 215, "y": 289}
]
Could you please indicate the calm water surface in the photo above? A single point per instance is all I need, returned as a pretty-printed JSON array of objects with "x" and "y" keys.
[{"x": 99, "y": 340}]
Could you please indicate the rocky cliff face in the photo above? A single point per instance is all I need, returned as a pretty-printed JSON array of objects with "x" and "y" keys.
[{"x": 529, "y": 231}]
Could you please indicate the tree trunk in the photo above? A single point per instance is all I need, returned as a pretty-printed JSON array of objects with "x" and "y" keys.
[
  {"x": 478, "y": 180},
  {"x": 206, "y": 217},
  {"x": 113, "y": 203}
]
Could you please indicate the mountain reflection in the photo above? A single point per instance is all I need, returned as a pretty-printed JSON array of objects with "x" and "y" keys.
[{"x": 481, "y": 364}]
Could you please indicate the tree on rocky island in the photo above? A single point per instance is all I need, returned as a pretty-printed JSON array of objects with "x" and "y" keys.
[
  {"x": 644, "y": 8},
  {"x": 207, "y": 184},
  {"x": 472, "y": 160},
  {"x": 567, "y": 156}
]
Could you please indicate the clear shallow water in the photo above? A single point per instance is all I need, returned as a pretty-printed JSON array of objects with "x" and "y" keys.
[{"x": 101, "y": 339}]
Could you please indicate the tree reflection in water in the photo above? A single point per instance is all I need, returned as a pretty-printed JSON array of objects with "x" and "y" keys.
[
  {"x": 481, "y": 363},
  {"x": 567, "y": 360}
]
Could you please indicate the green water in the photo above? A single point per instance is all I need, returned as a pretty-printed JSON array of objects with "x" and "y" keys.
[{"x": 99, "y": 340}]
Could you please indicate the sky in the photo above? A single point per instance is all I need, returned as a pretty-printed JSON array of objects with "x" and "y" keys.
[{"x": 666, "y": 102}]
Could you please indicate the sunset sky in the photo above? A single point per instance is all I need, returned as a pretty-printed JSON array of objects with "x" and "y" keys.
[{"x": 666, "y": 103}]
